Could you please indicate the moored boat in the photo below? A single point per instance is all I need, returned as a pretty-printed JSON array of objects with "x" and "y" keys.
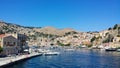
[
  {"x": 69, "y": 49},
  {"x": 82, "y": 46},
  {"x": 111, "y": 49},
  {"x": 118, "y": 50},
  {"x": 51, "y": 53}
]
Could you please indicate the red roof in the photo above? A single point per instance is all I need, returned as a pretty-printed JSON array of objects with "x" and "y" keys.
[{"x": 2, "y": 35}]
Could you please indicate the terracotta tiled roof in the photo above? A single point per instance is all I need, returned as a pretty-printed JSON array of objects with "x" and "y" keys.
[{"x": 2, "y": 35}]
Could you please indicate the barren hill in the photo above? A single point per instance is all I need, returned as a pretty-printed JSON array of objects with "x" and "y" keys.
[{"x": 9, "y": 28}]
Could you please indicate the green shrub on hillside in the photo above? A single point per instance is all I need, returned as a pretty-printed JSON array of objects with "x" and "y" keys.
[
  {"x": 93, "y": 39},
  {"x": 1, "y": 32},
  {"x": 118, "y": 28},
  {"x": 115, "y": 26},
  {"x": 118, "y": 35},
  {"x": 67, "y": 44},
  {"x": 90, "y": 45},
  {"x": 61, "y": 44},
  {"x": 109, "y": 28},
  {"x": 109, "y": 38}
]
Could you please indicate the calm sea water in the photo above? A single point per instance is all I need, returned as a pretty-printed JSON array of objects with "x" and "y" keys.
[{"x": 74, "y": 59}]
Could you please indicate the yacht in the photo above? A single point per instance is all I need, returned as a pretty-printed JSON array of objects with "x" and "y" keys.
[{"x": 51, "y": 53}]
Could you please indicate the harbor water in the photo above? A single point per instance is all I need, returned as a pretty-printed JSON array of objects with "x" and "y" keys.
[{"x": 82, "y": 58}]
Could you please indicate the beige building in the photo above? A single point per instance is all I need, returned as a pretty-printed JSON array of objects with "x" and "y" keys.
[
  {"x": 13, "y": 43},
  {"x": 9, "y": 44},
  {"x": 22, "y": 38}
]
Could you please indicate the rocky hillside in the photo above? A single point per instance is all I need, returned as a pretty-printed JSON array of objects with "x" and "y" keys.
[
  {"x": 110, "y": 35},
  {"x": 52, "y": 30},
  {"x": 50, "y": 35},
  {"x": 10, "y": 28},
  {"x": 115, "y": 31}
]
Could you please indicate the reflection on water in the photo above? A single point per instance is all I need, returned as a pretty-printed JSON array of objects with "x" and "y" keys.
[{"x": 74, "y": 59}]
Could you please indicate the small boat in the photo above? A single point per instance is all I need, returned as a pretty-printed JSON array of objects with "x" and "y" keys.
[
  {"x": 111, "y": 49},
  {"x": 42, "y": 51},
  {"x": 118, "y": 50},
  {"x": 69, "y": 49},
  {"x": 51, "y": 53},
  {"x": 82, "y": 46}
]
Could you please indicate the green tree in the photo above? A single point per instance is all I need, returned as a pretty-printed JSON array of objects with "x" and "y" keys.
[
  {"x": 118, "y": 35},
  {"x": 75, "y": 36},
  {"x": 118, "y": 30},
  {"x": 1, "y": 32},
  {"x": 93, "y": 39},
  {"x": 109, "y": 28},
  {"x": 109, "y": 38},
  {"x": 1, "y": 49},
  {"x": 67, "y": 44},
  {"x": 115, "y": 26}
]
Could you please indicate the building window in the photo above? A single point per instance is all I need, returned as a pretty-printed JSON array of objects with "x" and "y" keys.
[
  {"x": 5, "y": 42},
  {"x": 14, "y": 43},
  {"x": 8, "y": 43}
]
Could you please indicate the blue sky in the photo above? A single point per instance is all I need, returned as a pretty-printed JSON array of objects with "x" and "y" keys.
[{"x": 81, "y": 15}]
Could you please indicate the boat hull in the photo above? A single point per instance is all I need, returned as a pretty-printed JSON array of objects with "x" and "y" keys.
[
  {"x": 112, "y": 49},
  {"x": 118, "y": 50},
  {"x": 51, "y": 53}
]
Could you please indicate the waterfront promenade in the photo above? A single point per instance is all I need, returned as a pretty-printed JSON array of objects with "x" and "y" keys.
[{"x": 10, "y": 60}]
